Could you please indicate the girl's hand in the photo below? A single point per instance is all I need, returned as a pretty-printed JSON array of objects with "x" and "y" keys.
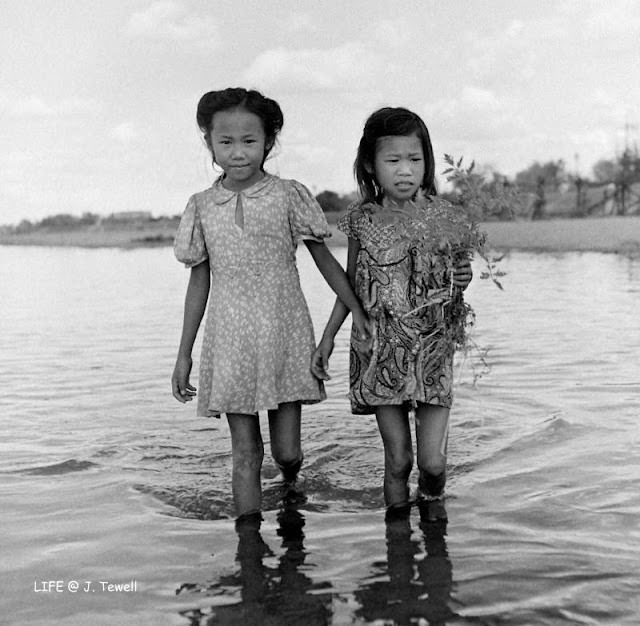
[
  {"x": 364, "y": 333},
  {"x": 462, "y": 274},
  {"x": 362, "y": 325},
  {"x": 320, "y": 359},
  {"x": 182, "y": 390}
]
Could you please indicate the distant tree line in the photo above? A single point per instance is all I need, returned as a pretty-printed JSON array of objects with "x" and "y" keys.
[
  {"x": 66, "y": 221},
  {"x": 624, "y": 169},
  {"x": 331, "y": 202},
  {"x": 613, "y": 188},
  {"x": 483, "y": 191}
]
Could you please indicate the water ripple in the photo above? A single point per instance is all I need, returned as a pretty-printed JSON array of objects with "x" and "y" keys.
[{"x": 104, "y": 475}]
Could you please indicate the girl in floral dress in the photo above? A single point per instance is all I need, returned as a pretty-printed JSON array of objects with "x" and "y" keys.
[
  {"x": 239, "y": 238},
  {"x": 408, "y": 259}
]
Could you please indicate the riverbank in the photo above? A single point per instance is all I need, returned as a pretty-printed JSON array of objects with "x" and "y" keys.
[{"x": 601, "y": 234}]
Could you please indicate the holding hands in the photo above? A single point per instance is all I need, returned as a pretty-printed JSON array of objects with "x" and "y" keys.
[
  {"x": 320, "y": 357},
  {"x": 462, "y": 275}
]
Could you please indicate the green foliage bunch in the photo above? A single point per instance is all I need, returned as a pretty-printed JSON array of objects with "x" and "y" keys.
[
  {"x": 447, "y": 238},
  {"x": 451, "y": 234}
]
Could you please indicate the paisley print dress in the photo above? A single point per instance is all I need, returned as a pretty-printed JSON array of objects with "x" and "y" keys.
[
  {"x": 258, "y": 335},
  {"x": 403, "y": 279}
]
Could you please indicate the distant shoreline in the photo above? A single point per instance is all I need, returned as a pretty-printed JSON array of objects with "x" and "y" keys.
[{"x": 598, "y": 234}]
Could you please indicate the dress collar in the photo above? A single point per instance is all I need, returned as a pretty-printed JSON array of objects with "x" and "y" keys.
[
  {"x": 222, "y": 195},
  {"x": 418, "y": 201}
]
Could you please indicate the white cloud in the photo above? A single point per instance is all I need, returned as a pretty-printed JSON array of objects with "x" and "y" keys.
[
  {"x": 514, "y": 29},
  {"x": 124, "y": 133},
  {"x": 509, "y": 56},
  {"x": 475, "y": 114},
  {"x": 345, "y": 67},
  {"x": 35, "y": 106},
  {"x": 594, "y": 141},
  {"x": 606, "y": 108},
  {"x": 171, "y": 21},
  {"x": 393, "y": 32},
  {"x": 297, "y": 21},
  {"x": 14, "y": 169},
  {"x": 613, "y": 19},
  {"x": 478, "y": 98},
  {"x": 30, "y": 106}
]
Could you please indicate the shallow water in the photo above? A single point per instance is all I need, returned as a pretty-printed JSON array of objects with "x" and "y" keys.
[{"x": 105, "y": 478}]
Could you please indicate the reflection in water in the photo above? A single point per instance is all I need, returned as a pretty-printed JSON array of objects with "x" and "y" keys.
[
  {"x": 549, "y": 487},
  {"x": 269, "y": 595},
  {"x": 412, "y": 584}
]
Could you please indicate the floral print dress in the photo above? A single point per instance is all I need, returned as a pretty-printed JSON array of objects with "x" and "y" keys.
[
  {"x": 403, "y": 279},
  {"x": 258, "y": 336}
]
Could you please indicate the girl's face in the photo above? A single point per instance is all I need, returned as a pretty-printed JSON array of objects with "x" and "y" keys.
[
  {"x": 238, "y": 145},
  {"x": 399, "y": 166}
]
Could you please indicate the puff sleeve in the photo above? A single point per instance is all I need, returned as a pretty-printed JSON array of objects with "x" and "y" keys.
[
  {"x": 306, "y": 216},
  {"x": 349, "y": 223},
  {"x": 189, "y": 246}
]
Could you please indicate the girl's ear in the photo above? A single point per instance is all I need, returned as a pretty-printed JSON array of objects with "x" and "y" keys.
[
  {"x": 269, "y": 144},
  {"x": 368, "y": 167}
]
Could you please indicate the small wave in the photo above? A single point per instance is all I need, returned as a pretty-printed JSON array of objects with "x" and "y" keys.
[
  {"x": 66, "y": 467},
  {"x": 190, "y": 503}
]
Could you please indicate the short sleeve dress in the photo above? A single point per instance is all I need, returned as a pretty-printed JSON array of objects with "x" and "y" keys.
[
  {"x": 258, "y": 335},
  {"x": 403, "y": 279}
]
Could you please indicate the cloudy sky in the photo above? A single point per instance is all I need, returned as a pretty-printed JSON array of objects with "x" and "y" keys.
[{"x": 97, "y": 99}]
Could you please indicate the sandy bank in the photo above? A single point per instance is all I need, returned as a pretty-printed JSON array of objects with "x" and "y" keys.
[
  {"x": 92, "y": 238},
  {"x": 604, "y": 234}
]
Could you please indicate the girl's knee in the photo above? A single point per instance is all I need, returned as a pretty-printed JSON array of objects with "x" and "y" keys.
[
  {"x": 248, "y": 455},
  {"x": 288, "y": 463},
  {"x": 400, "y": 464},
  {"x": 287, "y": 453},
  {"x": 432, "y": 482},
  {"x": 432, "y": 467}
]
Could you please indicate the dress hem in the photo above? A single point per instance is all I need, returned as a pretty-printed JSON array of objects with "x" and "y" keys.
[
  {"x": 370, "y": 409},
  {"x": 219, "y": 412}
]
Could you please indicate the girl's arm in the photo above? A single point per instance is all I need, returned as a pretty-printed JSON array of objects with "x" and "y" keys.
[
  {"x": 320, "y": 358},
  {"x": 195, "y": 304},
  {"x": 339, "y": 282}
]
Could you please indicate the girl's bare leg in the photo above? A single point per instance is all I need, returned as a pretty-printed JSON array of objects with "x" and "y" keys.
[
  {"x": 432, "y": 428},
  {"x": 248, "y": 452},
  {"x": 284, "y": 429},
  {"x": 393, "y": 423}
]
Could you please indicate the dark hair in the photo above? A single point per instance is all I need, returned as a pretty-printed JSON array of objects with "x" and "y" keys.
[
  {"x": 387, "y": 122},
  {"x": 248, "y": 99}
]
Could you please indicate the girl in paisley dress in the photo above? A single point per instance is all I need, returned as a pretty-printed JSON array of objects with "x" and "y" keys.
[
  {"x": 239, "y": 238},
  {"x": 408, "y": 260}
]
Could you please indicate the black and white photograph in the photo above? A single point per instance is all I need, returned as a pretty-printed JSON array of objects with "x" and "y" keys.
[{"x": 320, "y": 313}]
